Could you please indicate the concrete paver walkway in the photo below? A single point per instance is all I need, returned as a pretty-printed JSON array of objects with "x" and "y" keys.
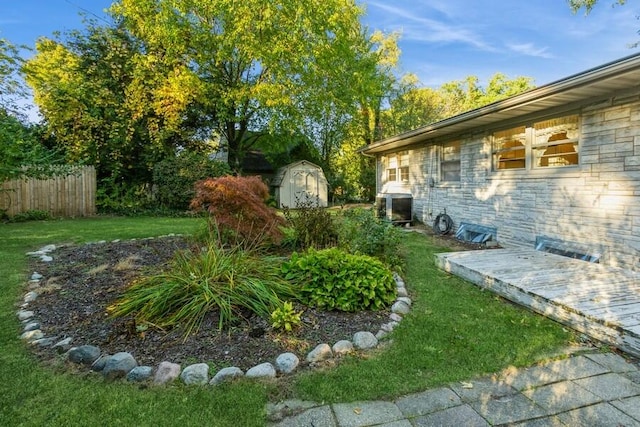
[{"x": 596, "y": 389}]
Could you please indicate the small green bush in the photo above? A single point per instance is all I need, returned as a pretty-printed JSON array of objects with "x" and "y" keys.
[
  {"x": 123, "y": 199},
  {"x": 362, "y": 233},
  {"x": 285, "y": 317},
  {"x": 332, "y": 279},
  {"x": 31, "y": 215},
  {"x": 228, "y": 282},
  {"x": 313, "y": 226}
]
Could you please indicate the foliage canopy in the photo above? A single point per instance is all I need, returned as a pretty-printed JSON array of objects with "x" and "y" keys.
[{"x": 254, "y": 65}]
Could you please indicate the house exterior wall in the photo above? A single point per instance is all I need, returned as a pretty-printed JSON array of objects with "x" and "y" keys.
[{"x": 596, "y": 203}]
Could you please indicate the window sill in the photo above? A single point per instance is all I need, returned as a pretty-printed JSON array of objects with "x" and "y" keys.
[
  {"x": 448, "y": 184},
  {"x": 551, "y": 172}
]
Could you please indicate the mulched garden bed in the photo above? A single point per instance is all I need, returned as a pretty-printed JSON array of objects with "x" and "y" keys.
[{"x": 83, "y": 280}]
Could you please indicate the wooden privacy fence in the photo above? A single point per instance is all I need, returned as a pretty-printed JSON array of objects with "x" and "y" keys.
[{"x": 62, "y": 196}]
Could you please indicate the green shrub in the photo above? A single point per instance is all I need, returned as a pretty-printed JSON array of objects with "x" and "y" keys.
[
  {"x": 228, "y": 282},
  {"x": 332, "y": 279},
  {"x": 313, "y": 226},
  {"x": 31, "y": 215},
  {"x": 174, "y": 178},
  {"x": 122, "y": 199},
  {"x": 362, "y": 233}
]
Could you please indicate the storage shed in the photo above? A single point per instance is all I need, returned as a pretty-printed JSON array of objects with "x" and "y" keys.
[{"x": 299, "y": 182}]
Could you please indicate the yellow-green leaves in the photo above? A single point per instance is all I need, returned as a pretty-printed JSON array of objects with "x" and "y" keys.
[{"x": 257, "y": 63}]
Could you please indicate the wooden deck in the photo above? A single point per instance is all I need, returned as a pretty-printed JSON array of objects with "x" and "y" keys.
[{"x": 600, "y": 301}]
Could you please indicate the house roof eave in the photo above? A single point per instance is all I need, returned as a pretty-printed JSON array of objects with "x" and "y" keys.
[{"x": 589, "y": 86}]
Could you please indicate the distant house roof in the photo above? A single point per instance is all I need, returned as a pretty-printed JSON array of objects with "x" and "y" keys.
[
  {"x": 277, "y": 179},
  {"x": 256, "y": 162},
  {"x": 617, "y": 77}
]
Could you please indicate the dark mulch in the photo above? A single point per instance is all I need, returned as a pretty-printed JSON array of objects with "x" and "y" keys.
[{"x": 84, "y": 279}]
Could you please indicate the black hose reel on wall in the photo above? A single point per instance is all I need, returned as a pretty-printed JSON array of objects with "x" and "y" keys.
[{"x": 442, "y": 224}]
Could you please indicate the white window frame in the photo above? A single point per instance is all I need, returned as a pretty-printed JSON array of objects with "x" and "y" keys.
[
  {"x": 392, "y": 168},
  {"x": 506, "y": 153},
  {"x": 538, "y": 139},
  {"x": 397, "y": 167},
  {"x": 403, "y": 166},
  {"x": 450, "y": 162},
  {"x": 547, "y": 135}
]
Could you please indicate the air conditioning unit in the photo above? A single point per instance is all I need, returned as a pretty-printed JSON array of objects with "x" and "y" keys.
[{"x": 395, "y": 207}]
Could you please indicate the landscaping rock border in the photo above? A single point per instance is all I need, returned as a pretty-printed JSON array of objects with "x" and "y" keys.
[{"x": 124, "y": 365}]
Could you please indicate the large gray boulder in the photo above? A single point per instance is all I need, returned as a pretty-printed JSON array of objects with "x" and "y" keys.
[
  {"x": 196, "y": 374},
  {"x": 85, "y": 354},
  {"x": 226, "y": 374},
  {"x": 33, "y": 335},
  {"x": 320, "y": 353},
  {"x": 263, "y": 370},
  {"x": 166, "y": 372},
  {"x": 24, "y": 315},
  {"x": 63, "y": 345},
  {"x": 140, "y": 373},
  {"x": 400, "y": 307},
  {"x": 31, "y": 326},
  {"x": 342, "y": 347},
  {"x": 287, "y": 363},
  {"x": 119, "y": 365},
  {"x": 364, "y": 340}
]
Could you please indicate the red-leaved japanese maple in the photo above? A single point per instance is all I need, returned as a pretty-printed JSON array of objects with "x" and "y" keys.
[{"x": 237, "y": 208}]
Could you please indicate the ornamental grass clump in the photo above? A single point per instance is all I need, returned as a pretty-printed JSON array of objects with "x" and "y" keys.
[
  {"x": 332, "y": 279},
  {"x": 214, "y": 280}
]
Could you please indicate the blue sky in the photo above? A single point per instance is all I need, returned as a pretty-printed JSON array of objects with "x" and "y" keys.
[
  {"x": 444, "y": 40},
  {"x": 441, "y": 40}
]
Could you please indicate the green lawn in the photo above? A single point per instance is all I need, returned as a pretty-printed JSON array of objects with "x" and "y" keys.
[{"x": 455, "y": 331}]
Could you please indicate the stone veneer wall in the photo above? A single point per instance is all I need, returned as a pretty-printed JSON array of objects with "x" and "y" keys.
[{"x": 596, "y": 203}]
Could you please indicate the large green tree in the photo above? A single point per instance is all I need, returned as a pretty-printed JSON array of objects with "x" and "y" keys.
[
  {"x": 411, "y": 106},
  {"x": 352, "y": 175},
  {"x": 89, "y": 88},
  {"x": 22, "y": 153},
  {"x": 257, "y": 66},
  {"x": 21, "y": 150},
  {"x": 12, "y": 87},
  {"x": 465, "y": 95}
]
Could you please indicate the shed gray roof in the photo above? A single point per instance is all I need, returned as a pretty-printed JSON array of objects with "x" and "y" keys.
[{"x": 617, "y": 77}]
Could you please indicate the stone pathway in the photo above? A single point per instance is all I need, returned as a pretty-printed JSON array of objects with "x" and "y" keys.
[{"x": 598, "y": 389}]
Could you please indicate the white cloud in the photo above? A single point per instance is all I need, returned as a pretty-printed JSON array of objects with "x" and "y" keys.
[
  {"x": 530, "y": 49},
  {"x": 421, "y": 29}
]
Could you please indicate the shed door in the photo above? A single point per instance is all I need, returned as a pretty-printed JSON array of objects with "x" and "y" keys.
[{"x": 305, "y": 187}]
